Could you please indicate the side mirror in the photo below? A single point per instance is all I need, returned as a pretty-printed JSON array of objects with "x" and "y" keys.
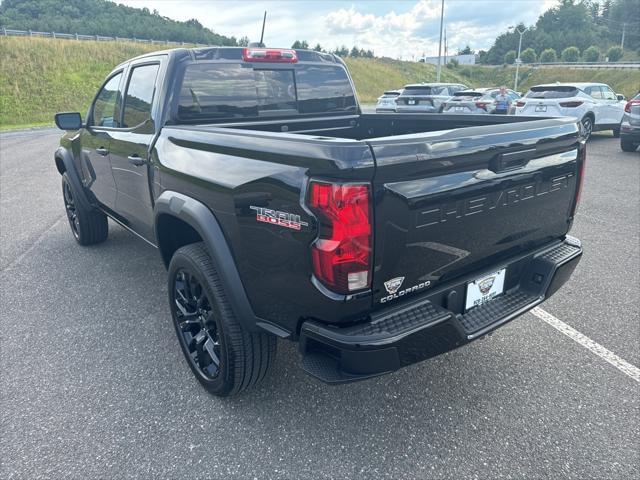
[
  {"x": 620, "y": 97},
  {"x": 68, "y": 121}
]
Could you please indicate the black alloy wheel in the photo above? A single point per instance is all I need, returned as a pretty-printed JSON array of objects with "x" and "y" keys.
[
  {"x": 199, "y": 329},
  {"x": 587, "y": 124},
  {"x": 70, "y": 208}
]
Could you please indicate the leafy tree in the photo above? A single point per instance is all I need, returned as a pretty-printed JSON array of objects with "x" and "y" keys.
[
  {"x": 465, "y": 51},
  {"x": 243, "y": 42},
  {"x": 549, "y": 55},
  {"x": 100, "y": 17},
  {"x": 591, "y": 54},
  {"x": 570, "y": 54},
  {"x": 301, "y": 45},
  {"x": 528, "y": 56},
  {"x": 354, "y": 52},
  {"x": 342, "y": 51},
  {"x": 510, "y": 57},
  {"x": 453, "y": 63},
  {"x": 318, "y": 48},
  {"x": 614, "y": 53}
]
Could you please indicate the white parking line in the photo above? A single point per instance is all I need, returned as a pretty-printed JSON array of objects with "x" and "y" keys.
[{"x": 621, "y": 364}]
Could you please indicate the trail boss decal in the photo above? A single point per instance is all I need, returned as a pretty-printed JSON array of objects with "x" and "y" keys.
[
  {"x": 282, "y": 219},
  {"x": 392, "y": 286}
]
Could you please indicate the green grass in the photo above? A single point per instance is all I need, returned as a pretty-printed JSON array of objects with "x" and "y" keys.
[{"x": 39, "y": 77}]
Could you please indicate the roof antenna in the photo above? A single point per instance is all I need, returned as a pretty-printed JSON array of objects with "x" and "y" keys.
[
  {"x": 264, "y": 21},
  {"x": 260, "y": 44}
]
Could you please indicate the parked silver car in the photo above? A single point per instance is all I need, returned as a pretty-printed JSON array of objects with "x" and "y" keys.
[
  {"x": 630, "y": 125},
  {"x": 387, "y": 101},
  {"x": 479, "y": 101},
  {"x": 426, "y": 97}
]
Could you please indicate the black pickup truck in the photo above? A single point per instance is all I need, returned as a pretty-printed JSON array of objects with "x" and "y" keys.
[{"x": 282, "y": 210}]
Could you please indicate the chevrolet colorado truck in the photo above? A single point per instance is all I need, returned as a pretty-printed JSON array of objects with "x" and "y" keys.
[{"x": 281, "y": 210}]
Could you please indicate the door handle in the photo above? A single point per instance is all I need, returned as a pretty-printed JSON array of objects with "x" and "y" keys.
[
  {"x": 102, "y": 151},
  {"x": 136, "y": 160}
]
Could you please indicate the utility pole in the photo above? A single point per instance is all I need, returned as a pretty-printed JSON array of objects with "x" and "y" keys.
[
  {"x": 518, "y": 61},
  {"x": 445, "y": 46},
  {"x": 624, "y": 27},
  {"x": 440, "y": 43}
]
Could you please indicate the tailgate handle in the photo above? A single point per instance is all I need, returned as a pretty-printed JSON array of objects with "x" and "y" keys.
[{"x": 509, "y": 161}]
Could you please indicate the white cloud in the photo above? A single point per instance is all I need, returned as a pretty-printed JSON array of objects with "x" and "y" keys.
[{"x": 396, "y": 29}]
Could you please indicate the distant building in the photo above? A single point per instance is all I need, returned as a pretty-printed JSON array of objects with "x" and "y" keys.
[{"x": 462, "y": 59}]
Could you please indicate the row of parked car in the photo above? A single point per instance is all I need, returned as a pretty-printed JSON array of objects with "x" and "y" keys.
[{"x": 596, "y": 105}]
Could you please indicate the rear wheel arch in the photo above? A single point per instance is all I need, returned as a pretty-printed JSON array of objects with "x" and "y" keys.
[{"x": 195, "y": 218}]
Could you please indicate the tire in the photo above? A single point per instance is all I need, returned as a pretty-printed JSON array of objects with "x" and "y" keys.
[
  {"x": 208, "y": 330},
  {"x": 616, "y": 133},
  {"x": 587, "y": 124},
  {"x": 88, "y": 226},
  {"x": 627, "y": 145}
]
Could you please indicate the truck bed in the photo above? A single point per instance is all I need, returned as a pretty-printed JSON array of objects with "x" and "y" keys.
[{"x": 452, "y": 194}]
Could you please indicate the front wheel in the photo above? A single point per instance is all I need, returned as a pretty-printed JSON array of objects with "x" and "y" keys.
[
  {"x": 587, "y": 125},
  {"x": 87, "y": 225},
  {"x": 225, "y": 358}
]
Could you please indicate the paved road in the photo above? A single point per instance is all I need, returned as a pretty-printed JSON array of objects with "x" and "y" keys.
[{"x": 93, "y": 384}]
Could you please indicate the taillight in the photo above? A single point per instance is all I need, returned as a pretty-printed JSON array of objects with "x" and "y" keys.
[
  {"x": 275, "y": 55},
  {"x": 483, "y": 105},
  {"x": 627, "y": 107},
  {"x": 520, "y": 103},
  {"x": 571, "y": 104},
  {"x": 582, "y": 158},
  {"x": 342, "y": 252}
]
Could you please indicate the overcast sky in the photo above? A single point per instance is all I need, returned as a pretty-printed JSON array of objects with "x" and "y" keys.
[{"x": 398, "y": 29}]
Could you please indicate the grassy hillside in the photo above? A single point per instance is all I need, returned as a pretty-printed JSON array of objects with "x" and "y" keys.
[{"x": 42, "y": 76}]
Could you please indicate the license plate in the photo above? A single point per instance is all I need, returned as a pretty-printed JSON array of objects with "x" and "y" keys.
[
  {"x": 411, "y": 102},
  {"x": 484, "y": 289},
  {"x": 459, "y": 109},
  {"x": 541, "y": 108}
]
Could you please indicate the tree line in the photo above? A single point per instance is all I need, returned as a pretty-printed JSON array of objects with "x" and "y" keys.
[
  {"x": 98, "y": 17},
  {"x": 342, "y": 51},
  {"x": 586, "y": 30}
]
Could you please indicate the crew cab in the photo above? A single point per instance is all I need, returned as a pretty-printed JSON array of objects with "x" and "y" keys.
[
  {"x": 282, "y": 211},
  {"x": 596, "y": 105}
]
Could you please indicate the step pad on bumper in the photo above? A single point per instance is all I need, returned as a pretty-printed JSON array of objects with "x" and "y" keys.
[{"x": 503, "y": 306}]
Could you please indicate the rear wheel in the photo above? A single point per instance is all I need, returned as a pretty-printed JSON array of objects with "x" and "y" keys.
[
  {"x": 225, "y": 358},
  {"x": 627, "y": 145},
  {"x": 88, "y": 226},
  {"x": 587, "y": 124}
]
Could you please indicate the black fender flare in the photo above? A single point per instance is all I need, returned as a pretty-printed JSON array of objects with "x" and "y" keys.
[
  {"x": 63, "y": 155},
  {"x": 203, "y": 221}
]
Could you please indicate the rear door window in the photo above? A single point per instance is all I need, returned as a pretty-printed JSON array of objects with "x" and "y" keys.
[{"x": 139, "y": 96}]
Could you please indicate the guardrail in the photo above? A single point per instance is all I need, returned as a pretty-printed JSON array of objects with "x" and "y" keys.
[
  {"x": 96, "y": 38},
  {"x": 585, "y": 64}
]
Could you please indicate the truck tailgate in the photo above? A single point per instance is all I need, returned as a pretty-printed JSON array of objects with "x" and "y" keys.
[{"x": 460, "y": 201}]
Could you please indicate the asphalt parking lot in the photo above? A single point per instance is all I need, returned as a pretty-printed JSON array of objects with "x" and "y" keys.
[{"x": 93, "y": 383}]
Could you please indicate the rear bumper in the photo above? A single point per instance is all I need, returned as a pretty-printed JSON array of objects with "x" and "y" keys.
[
  {"x": 416, "y": 109},
  {"x": 429, "y": 326}
]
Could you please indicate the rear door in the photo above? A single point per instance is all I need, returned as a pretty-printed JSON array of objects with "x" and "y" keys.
[
  {"x": 460, "y": 201},
  {"x": 130, "y": 146}
]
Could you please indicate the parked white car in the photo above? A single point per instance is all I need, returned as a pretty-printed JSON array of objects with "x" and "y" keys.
[
  {"x": 387, "y": 101},
  {"x": 596, "y": 105}
]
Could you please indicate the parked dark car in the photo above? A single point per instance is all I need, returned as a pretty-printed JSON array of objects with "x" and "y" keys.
[
  {"x": 281, "y": 211},
  {"x": 426, "y": 97},
  {"x": 630, "y": 125},
  {"x": 479, "y": 101}
]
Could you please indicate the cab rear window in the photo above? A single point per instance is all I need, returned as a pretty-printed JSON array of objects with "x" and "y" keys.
[
  {"x": 552, "y": 92},
  {"x": 221, "y": 91}
]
